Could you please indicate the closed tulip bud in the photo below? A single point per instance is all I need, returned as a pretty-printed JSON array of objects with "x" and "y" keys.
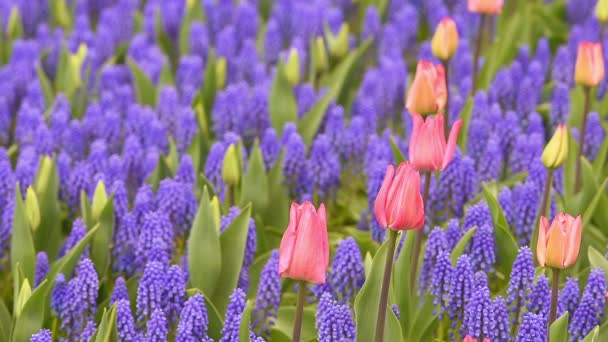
[
  {"x": 601, "y": 11},
  {"x": 220, "y": 73},
  {"x": 231, "y": 167},
  {"x": 445, "y": 40},
  {"x": 100, "y": 199},
  {"x": 485, "y": 6},
  {"x": 338, "y": 44},
  {"x": 428, "y": 93},
  {"x": 556, "y": 151},
  {"x": 319, "y": 55},
  {"x": 399, "y": 203},
  {"x": 428, "y": 150},
  {"x": 304, "y": 249},
  {"x": 32, "y": 209},
  {"x": 559, "y": 243},
  {"x": 292, "y": 67},
  {"x": 589, "y": 69}
]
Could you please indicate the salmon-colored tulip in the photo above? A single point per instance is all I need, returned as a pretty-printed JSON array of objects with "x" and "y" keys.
[
  {"x": 470, "y": 339},
  {"x": 558, "y": 244},
  {"x": 589, "y": 69},
  {"x": 304, "y": 249},
  {"x": 445, "y": 39},
  {"x": 428, "y": 93},
  {"x": 485, "y": 6},
  {"x": 428, "y": 150},
  {"x": 399, "y": 203}
]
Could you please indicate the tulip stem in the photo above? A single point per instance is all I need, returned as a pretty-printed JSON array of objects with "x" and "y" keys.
[
  {"x": 297, "y": 324},
  {"x": 482, "y": 24},
  {"x": 554, "y": 292},
  {"x": 388, "y": 268},
  {"x": 446, "y": 121},
  {"x": 581, "y": 139},
  {"x": 418, "y": 241},
  {"x": 545, "y": 205}
]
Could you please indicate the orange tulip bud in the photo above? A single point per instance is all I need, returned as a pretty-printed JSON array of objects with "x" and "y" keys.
[
  {"x": 304, "y": 249},
  {"x": 589, "y": 69},
  {"x": 399, "y": 203},
  {"x": 558, "y": 244},
  {"x": 445, "y": 40},
  {"x": 485, "y": 6},
  {"x": 428, "y": 93}
]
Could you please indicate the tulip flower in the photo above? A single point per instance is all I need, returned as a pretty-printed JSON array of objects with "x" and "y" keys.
[
  {"x": 399, "y": 203},
  {"x": 485, "y": 6},
  {"x": 445, "y": 39},
  {"x": 468, "y": 338},
  {"x": 559, "y": 243},
  {"x": 304, "y": 249},
  {"x": 428, "y": 150},
  {"x": 428, "y": 93},
  {"x": 601, "y": 11},
  {"x": 589, "y": 69},
  {"x": 556, "y": 151}
]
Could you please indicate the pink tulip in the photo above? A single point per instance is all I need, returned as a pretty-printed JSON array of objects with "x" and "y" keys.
[
  {"x": 589, "y": 70},
  {"x": 558, "y": 244},
  {"x": 304, "y": 249},
  {"x": 485, "y": 6},
  {"x": 428, "y": 93},
  {"x": 428, "y": 150},
  {"x": 399, "y": 203},
  {"x": 470, "y": 339}
]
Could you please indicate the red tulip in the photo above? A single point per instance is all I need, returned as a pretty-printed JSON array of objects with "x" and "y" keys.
[
  {"x": 485, "y": 6},
  {"x": 304, "y": 249},
  {"x": 589, "y": 69},
  {"x": 428, "y": 150},
  {"x": 558, "y": 244},
  {"x": 399, "y": 203},
  {"x": 428, "y": 93}
]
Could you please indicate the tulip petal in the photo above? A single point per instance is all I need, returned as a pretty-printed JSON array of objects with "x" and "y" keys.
[
  {"x": 541, "y": 244},
  {"x": 417, "y": 123},
  {"x": 556, "y": 247},
  {"x": 308, "y": 260},
  {"x": 451, "y": 144},
  {"x": 325, "y": 241},
  {"x": 288, "y": 241},
  {"x": 380, "y": 203},
  {"x": 573, "y": 242}
]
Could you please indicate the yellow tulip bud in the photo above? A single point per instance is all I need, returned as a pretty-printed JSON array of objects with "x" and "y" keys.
[
  {"x": 220, "y": 73},
  {"x": 338, "y": 44},
  {"x": 231, "y": 168},
  {"x": 556, "y": 151},
  {"x": 292, "y": 67},
  {"x": 100, "y": 199},
  {"x": 601, "y": 11},
  {"x": 445, "y": 40},
  {"x": 32, "y": 209},
  {"x": 319, "y": 55}
]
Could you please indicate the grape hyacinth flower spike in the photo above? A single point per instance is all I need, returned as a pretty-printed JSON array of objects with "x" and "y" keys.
[{"x": 304, "y": 252}]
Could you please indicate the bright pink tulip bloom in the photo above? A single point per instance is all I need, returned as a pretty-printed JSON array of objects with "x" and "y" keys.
[
  {"x": 470, "y": 339},
  {"x": 428, "y": 92},
  {"x": 399, "y": 203},
  {"x": 558, "y": 244},
  {"x": 304, "y": 249},
  {"x": 428, "y": 149},
  {"x": 485, "y": 6}
]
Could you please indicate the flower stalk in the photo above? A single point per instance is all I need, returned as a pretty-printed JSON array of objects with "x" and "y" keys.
[{"x": 386, "y": 280}]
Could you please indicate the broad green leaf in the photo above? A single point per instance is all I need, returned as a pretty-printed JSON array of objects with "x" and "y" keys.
[
  {"x": 507, "y": 248},
  {"x": 24, "y": 295},
  {"x": 107, "y": 327},
  {"x": 245, "y": 326},
  {"x": 5, "y": 322},
  {"x": 209, "y": 89},
  {"x": 14, "y": 29},
  {"x": 424, "y": 320},
  {"x": 31, "y": 317},
  {"x": 47, "y": 88},
  {"x": 397, "y": 154},
  {"x": 597, "y": 260},
  {"x": 310, "y": 122},
  {"x": 254, "y": 186},
  {"x": 277, "y": 213},
  {"x": 166, "y": 77},
  {"x": 465, "y": 115},
  {"x": 590, "y": 208},
  {"x": 23, "y": 251},
  {"x": 593, "y": 335},
  {"x": 232, "y": 241},
  {"x": 282, "y": 104},
  {"x": 48, "y": 236},
  {"x": 368, "y": 300},
  {"x": 558, "y": 332},
  {"x": 286, "y": 317},
  {"x": 145, "y": 90},
  {"x": 461, "y": 245},
  {"x": 101, "y": 244},
  {"x": 204, "y": 249},
  {"x": 401, "y": 281}
]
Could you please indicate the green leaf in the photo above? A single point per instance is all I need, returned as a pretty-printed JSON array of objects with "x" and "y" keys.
[
  {"x": 461, "y": 245},
  {"x": 232, "y": 242},
  {"x": 507, "y": 248},
  {"x": 48, "y": 236},
  {"x": 145, "y": 90},
  {"x": 397, "y": 154},
  {"x": 590, "y": 208},
  {"x": 215, "y": 319},
  {"x": 5, "y": 322},
  {"x": 23, "y": 251},
  {"x": 593, "y": 335},
  {"x": 286, "y": 317},
  {"x": 60, "y": 15},
  {"x": 401, "y": 280},
  {"x": 163, "y": 40},
  {"x": 69, "y": 71},
  {"x": 166, "y": 77},
  {"x": 32, "y": 314},
  {"x": 465, "y": 115},
  {"x": 245, "y": 325},
  {"x": 47, "y": 88},
  {"x": 368, "y": 300},
  {"x": 107, "y": 327},
  {"x": 254, "y": 186},
  {"x": 424, "y": 320},
  {"x": 282, "y": 104},
  {"x": 277, "y": 214},
  {"x": 100, "y": 246},
  {"x": 209, "y": 85},
  {"x": 558, "y": 332},
  {"x": 597, "y": 260},
  {"x": 194, "y": 12},
  {"x": 24, "y": 294},
  {"x": 204, "y": 250}
]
